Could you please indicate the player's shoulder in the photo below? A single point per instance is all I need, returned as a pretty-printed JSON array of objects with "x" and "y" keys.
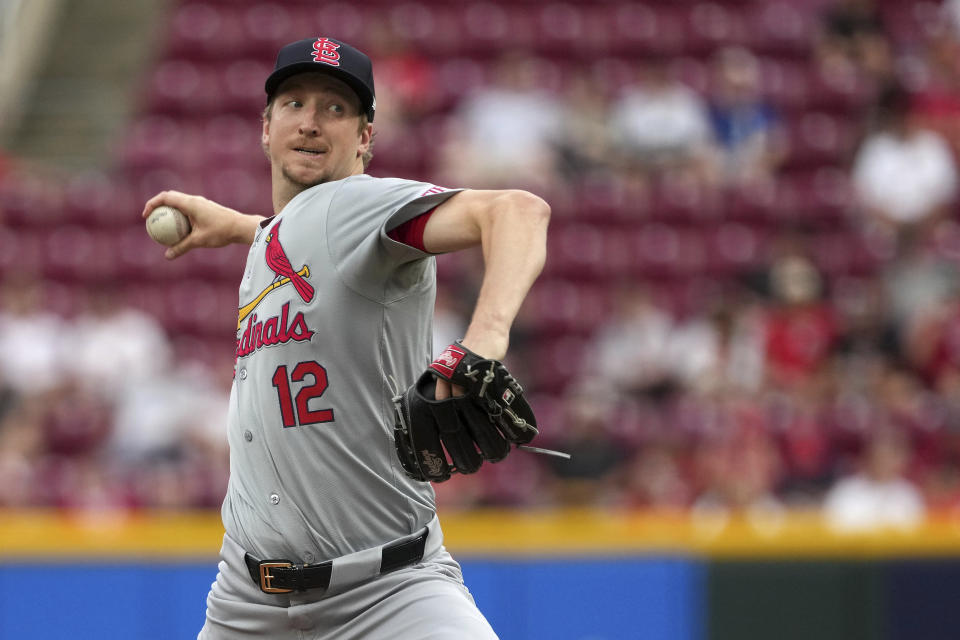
[
  {"x": 371, "y": 183},
  {"x": 365, "y": 188}
]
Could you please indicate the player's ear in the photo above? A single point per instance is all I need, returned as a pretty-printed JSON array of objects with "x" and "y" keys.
[
  {"x": 366, "y": 135},
  {"x": 265, "y": 133}
]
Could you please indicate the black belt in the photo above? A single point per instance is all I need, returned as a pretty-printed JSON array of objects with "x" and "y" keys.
[{"x": 283, "y": 576}]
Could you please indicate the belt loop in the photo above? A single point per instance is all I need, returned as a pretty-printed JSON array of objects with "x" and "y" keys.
[{"x": 298, "y": 578}]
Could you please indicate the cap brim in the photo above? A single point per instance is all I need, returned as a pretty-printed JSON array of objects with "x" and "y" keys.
[{"x": 277, "y": 78}]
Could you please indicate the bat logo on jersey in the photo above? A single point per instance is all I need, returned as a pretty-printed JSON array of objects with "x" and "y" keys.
[
  {"x": 279, "y": 263},
  {"x": 324, "y": 50}
]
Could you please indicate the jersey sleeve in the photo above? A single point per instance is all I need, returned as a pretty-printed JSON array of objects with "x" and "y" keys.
[{"x": 362, "y": 212}]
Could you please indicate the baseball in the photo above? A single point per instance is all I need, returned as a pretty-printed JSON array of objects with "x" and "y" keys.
[{"x": 167, "y": 225}]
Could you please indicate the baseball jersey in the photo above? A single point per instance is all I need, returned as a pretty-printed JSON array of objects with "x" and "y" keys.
[{"x": 330, "y": 308}]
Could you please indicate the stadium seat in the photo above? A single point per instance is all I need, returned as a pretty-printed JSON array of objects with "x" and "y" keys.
[
  {"x": 181, "y": 87},
  {"x": 818, "y": 138},
  {"x": 206, "y": 31},
  {"x": 77, "y": 254},
  {"x": 780, "y": 28},
  {"x": 266, "y": 27},
  {"x": 643, "y": 29},
  {"x": 735, "y": 248},
  {"x": 710, "y": 26}
]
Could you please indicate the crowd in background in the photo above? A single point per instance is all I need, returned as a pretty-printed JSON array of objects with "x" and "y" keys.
[{"x": 693, "y": 343}]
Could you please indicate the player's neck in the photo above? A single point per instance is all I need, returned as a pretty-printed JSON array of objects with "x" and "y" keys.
[{"x": 285, "y": 190}]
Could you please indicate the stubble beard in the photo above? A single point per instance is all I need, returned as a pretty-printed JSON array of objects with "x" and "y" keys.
[{"x": 298, "y": 185}]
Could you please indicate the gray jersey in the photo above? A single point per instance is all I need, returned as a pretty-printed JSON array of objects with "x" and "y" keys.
[{"x": 329, "y": 307}]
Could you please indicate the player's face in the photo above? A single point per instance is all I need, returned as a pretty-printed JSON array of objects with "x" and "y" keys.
[{"x": 313, "y": 133}]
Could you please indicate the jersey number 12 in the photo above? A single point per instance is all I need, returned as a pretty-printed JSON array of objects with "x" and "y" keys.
[{"x": 296, "y": 411}]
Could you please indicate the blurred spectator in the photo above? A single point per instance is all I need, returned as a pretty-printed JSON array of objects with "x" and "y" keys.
[
  {"x": 661, "y": 124},
  {"x": 904, "y": 176},
  {"x": 181, "y": 411},
  {"x": 852, "y": 39},
  {"x": 749, "y": 139},
  {"x": 807, "y": 447},
  {"x": 800, "y": 326},
  {"x": 729, "y": 356},
  {"x": 917, "y": 286},
  {"x": 406, "y": 78},
  {"x": 655, "y": 478},
  {"x": 950, "y": 14},
  {"x": 115, "y": 347},
  {"x": 932, "y": 344},
  {"x": 31, "y": 338},
  {"x": 504, "y": 132},
  {"x": 21, "y": 448},
  {"x": 584, "y": 141},
  {"x": 588, "y": 477},
  {"x": 878, "y": 495},
  {"x": 630, "y": 353},
  {"x": 738, "y": 470},
  {"x": 936, "y": 92}
]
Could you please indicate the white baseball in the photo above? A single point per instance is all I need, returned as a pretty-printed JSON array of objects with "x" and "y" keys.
[{"x": 167, "y": 225}]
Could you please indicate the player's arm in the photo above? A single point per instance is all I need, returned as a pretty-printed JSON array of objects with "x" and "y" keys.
[
  {"x": 511, "y": 228},
  {"x": 212, "y": 224}
]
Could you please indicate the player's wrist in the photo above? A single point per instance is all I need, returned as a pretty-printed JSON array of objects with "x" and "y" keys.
[
  {"x": 487, "y": 343},
  {"x": 244, "y": 227}
]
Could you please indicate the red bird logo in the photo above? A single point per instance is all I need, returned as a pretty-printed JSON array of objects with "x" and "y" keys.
[{"x": 278, "y": 261}]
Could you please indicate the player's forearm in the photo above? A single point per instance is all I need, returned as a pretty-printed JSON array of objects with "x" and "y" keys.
[{"x": 513, "y": 239}]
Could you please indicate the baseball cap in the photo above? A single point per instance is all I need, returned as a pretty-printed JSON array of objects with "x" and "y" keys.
[{"x": 327, "y": 55}]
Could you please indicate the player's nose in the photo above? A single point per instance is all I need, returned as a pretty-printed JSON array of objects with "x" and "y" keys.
[
  {"x": 308, "y": 122},
  {"x": 308, "y": 129}
]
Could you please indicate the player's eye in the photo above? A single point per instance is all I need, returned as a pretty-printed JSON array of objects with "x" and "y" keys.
[
  {"x": 336, "y": 108},
  {"x": 296, "y": 104}
]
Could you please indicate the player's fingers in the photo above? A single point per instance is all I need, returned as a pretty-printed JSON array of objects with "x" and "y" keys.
[
  {"x": 175, "y": 199},
  {"x": 180, "y": 248},
  {"x": 445, "y": 389},
  {"x": 442, "y": 390}
]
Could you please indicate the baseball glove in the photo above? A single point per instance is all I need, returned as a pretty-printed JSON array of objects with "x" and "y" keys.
[{"x": 479, "y": 425}]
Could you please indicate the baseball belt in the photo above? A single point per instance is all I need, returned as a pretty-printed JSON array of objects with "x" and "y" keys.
[{"x": 284, "y": 576}]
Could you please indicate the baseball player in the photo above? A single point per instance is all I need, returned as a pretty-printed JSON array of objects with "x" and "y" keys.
[{"x": 331, "y": 528}]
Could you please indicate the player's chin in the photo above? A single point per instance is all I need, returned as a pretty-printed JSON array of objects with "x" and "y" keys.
[{"x": 305, "y": 176}]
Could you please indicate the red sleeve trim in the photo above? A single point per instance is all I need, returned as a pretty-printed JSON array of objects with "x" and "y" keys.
[{"x": 411, "y": 232}]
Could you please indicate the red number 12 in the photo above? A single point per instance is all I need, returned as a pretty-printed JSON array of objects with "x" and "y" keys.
[{"x": 301, "y": 415}]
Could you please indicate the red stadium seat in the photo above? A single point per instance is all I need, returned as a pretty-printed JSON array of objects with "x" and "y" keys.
[
  {"x": 818, "y": 138},
  {"x": 206, "y": 31},
  {"x": 266, "y": 27},
  {"x": 184, "y": 88},
  {"x": 785, "y": 84},
  {"x": 780, "y": 27},
  {"x": 637, "y": 29},
  {"x": 561, "y": 306},
  {"x": 735, "y": 248},
  {"x": 242, "y": 81},
  {"x": 76, "y": 254},
  {"x": 711, "y": 25},
  {"x": 30, "y": 199},
  {"x": 94, "y": 198},
  {"x": 22, "y": 251},
  {"x": 230, "y": 141}
]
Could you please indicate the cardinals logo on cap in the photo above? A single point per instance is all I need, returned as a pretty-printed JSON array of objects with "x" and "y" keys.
[{"x": 325, "y": 50}]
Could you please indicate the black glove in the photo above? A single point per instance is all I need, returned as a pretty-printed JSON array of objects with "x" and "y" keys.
[{"x": 479, "y": 425}]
